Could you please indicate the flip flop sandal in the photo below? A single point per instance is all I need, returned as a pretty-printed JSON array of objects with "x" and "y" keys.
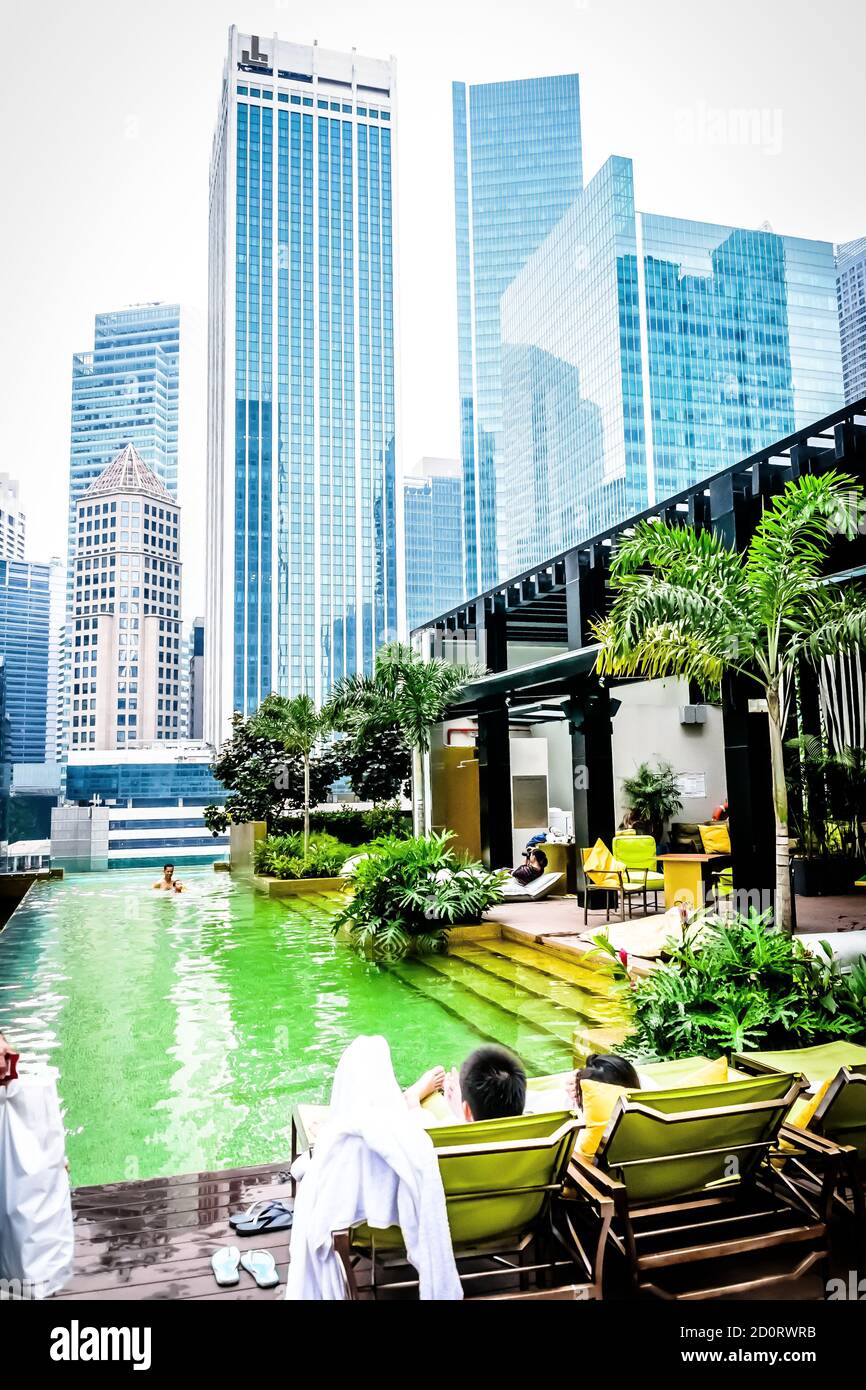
[
  {"x": 247, "y": 1221},
  {"x": 260, "y": 1264},
  {"x": 275, "y": 1219},
  {"x": 224, "y": 1264}
]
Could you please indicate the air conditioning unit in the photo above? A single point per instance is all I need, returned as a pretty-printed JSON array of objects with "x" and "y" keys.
[{"x": 693, "y": 714}]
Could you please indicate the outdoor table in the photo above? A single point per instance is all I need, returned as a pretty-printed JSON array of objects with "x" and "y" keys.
[{"x": 688, "y": 876}]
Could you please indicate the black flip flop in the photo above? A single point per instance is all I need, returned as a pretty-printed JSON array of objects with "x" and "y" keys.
[{"x": 272, "y": 1216}]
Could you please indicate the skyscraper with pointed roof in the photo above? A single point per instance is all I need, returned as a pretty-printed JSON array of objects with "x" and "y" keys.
[{"x": 126, "y": 609}]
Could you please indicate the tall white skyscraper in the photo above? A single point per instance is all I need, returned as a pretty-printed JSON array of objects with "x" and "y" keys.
[
  {"x": 125, "y": 679},
  {"x": 303, "y": 495}
]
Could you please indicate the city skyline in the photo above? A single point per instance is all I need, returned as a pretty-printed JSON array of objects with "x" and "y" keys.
[{"x": 706, "y": 140}]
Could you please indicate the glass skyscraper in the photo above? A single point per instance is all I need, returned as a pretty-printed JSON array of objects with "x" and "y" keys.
[
  {"x": 302, "y": 504},
  {"x": 125, "y": 391},
  {"x": 433, "y": 528},
  {"x": 25, "y": 604},
  {"x": 851, "y": 300},
  {"x": 517, "y": 169},
  {"x": 643, "y": 353}
]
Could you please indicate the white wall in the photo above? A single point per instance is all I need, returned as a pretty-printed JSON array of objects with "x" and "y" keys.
[{"x": 647, "y": 729}]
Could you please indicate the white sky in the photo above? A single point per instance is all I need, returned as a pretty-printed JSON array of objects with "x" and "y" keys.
[{"x": 107, "y": 110}]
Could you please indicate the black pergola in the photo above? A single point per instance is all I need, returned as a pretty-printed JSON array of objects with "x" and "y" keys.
[{"x": 555, "y": 603}]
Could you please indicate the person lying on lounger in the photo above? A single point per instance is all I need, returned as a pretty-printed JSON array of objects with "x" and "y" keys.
[
  {"x": 533, "y": 866},
  {"x": 490, "y": 1085}
]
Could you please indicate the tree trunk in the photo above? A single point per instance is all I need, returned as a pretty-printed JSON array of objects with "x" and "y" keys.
[
  {"x": 783, "y": 915},
  {"x": 428, "y": 791},
  {"x": 306, "y": 804},
  {"x": 419, "y": 796}
]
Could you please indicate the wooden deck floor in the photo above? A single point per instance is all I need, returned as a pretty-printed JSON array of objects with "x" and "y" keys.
[{"x": 154, "y": 1239}]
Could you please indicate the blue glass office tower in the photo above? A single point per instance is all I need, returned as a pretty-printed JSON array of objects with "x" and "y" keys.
[
  {"x": 851, "y": 301},
  {"x": 517, "y": 168},
  {"x": 302, "y": 582},
  {"x": 25, "y": 595},
  {"x": 433, "y": 530},
  {"x": 125, "y": 391},
  {"x": 642, "y": 353}
]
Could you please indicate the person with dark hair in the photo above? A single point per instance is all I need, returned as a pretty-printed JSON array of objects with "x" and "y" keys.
[
  {"x": 490, "y": 1085},
  {"x": 168, "y": 883},
  {"x": 606, "y": 1067},
  {"x": 533, "y": 866}
]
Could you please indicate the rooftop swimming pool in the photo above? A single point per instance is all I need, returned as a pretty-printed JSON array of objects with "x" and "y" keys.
[{"x": 185, "y": 1028}]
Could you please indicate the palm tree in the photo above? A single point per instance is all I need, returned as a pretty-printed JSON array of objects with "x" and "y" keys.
[
  {"x": 299, "y": 727},
  {"x": 686, "y": 604},
  {"x": 406, "y": 691}
]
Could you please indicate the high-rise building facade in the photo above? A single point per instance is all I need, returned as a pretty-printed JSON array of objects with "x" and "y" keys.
[
  {"x": 56, "y": 694},
  {"x": 125, "y": 625},
  {"x": 433, "y": 530},
  {"x": 517, "y": 169},
  {"x": 25, "y": 591},
  {"x": 195, "y": 680},
  {"x": 12, "y": 521},
  {"x": 851, "y": 300},
  {"x": 125, "y": 390},
  {"x": 302, "y": 492},
  {"x": 642, "y": 353}
]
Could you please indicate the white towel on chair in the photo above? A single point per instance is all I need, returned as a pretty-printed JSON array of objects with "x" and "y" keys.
[{"x": 373, "y": 1162}]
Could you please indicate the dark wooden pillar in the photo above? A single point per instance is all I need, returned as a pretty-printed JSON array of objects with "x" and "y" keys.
[
  {"x": 494, "y": 785},
  {"x": 496, "y": 633},
  {"x": 750, "y": 788},
  {"x": 589, "y": 715}
]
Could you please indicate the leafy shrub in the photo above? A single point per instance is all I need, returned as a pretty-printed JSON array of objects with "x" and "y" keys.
[
  {"x": 354, "y": 827},
  {"x": 407, "y": 892},
  {"x": 282, "y": 856},
  {"x": 745, "y": 986},
  {"x": 654, "y": 796}
]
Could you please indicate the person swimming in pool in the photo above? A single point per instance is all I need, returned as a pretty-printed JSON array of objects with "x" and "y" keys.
[{"x": 168, "y": 883}]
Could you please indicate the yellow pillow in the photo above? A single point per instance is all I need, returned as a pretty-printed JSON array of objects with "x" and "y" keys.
[
  {"x": 716, "y": 839},
  {"x": 707, "y": 1074},
  {"x": 801, "y": 1115},
  {"x": 599, "y": 865},
  {"x": 600, "y": 1098}
]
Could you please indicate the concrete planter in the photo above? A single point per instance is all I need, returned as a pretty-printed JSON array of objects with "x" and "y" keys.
[{"x": 296, "y": 887}]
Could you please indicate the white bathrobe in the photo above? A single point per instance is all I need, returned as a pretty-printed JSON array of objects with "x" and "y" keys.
[{"x": 373, "y": 1162}]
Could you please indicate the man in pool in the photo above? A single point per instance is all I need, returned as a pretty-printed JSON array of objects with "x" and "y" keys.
[
  {"x": 168, "y": 883},
  {"x": 491, "y": 1085}
]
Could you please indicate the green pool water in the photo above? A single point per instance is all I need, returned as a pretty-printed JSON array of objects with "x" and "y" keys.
[{"x": 185, "y": 1028}]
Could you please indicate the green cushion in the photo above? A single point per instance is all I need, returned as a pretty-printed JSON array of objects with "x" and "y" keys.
[
  {"x": 816, "y": 1063},
  {"x": 492, "y": 1197},
  {"x": 635, "y": 851},
  {"x": 652, "y": 879},
  {"x": 659, "y": 1158}
]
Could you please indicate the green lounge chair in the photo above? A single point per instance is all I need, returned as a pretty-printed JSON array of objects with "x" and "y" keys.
[
  {"x": 500, "y": 1179},
  {"x": 690, "y": 1176},
  {"x": 836, "y": 1131}
]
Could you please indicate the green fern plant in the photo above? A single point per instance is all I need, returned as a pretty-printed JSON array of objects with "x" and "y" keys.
[{"x": 407, "y": 892}]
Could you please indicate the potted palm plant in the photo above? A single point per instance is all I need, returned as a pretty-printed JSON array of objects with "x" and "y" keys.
[
  {"x": 686, "y": 604},
  {"x": 654, "y": 796}
]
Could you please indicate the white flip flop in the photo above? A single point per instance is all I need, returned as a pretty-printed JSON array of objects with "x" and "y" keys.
[
  {"x": 224, "y": 1264},
  {"x": 260, "y": 1264}
]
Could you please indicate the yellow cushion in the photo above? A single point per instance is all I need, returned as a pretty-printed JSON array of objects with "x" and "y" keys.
[
  {"x": 803, "y": 1110},
  {"x": 601, "y": 867},
  {"x": 716, "y": 839},
  {"x": 600, "y": 1098}
]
